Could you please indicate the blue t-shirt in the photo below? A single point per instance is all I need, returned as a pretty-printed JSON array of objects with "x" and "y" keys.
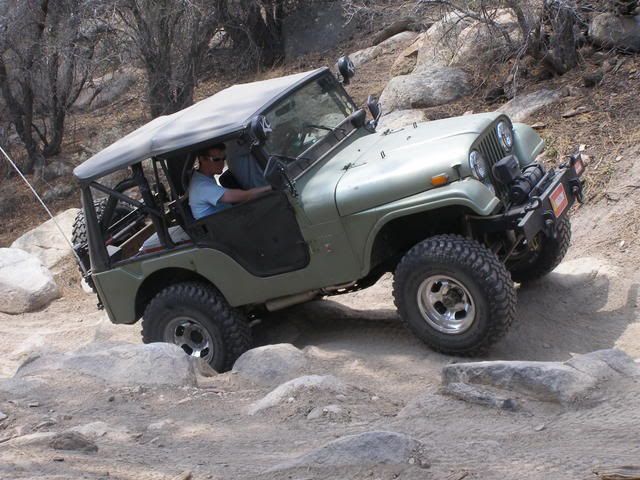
[{"x": 204, "y": 196}]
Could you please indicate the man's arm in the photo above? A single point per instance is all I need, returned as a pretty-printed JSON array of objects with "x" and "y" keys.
[{"x": 233, "y": 195}]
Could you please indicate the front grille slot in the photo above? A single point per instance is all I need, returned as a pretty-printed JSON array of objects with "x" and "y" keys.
[{"x": 491, "y": 150}]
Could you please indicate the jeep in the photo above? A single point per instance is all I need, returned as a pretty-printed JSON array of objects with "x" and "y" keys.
[{"x": 457, "y": 209}]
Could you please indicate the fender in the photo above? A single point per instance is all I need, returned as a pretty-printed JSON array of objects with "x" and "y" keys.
[
  {"x": 527, "y": 143},
  {"x": 363, "y": 227}
]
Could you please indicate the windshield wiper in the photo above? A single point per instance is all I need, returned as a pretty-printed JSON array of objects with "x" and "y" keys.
[{"x": 328, "y": 129}]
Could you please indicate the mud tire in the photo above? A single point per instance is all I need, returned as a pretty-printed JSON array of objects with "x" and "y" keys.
[
  {"x": 540, "y": 263},
  {"x": 474, "y": 266},
  {"x": 227, "y": 327},
  {"x": 79, "y": 233}
]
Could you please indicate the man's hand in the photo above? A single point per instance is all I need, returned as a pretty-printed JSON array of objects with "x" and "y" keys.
[{"x": 234, "y": 195}]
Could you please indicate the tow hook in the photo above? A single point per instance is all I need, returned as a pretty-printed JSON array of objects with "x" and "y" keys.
[
  {"x": 576, "y": 189},
  {"x": 534, "y": 204},
  {"x": 549, "y": 223}
]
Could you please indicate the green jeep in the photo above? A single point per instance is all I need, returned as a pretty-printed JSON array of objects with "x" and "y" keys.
[{"x": 457, "y": 209}]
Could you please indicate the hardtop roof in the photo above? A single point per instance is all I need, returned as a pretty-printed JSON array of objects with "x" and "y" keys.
[{"x": 224, "y": 113}]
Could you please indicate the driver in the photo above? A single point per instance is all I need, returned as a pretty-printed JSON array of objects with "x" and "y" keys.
[{"x": 206, "y": 196}]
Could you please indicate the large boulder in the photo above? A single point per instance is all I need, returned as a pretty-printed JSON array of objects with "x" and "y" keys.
[
  {"x": 408, "y": 58},
  {"x": 558, "y": 382},
  {"x": 428, "y": 87},
  {"x": 397, "y": 42},
  {"x": 120, "y": 364},
  {"x": 271, "y": 365},
  {"x": 362, "y": 450},
  {"x": 46, "y": 243},
  {"x": 523, "y": 107},
  {"x": 402, "y": 118},
  {"x": 105, "y": 90},
  {"x": 615, "y": 31},
  {"x": 457, "y": 40},
  {"x": 309, "y": 383},
  {"x": 25, "y": 284}
]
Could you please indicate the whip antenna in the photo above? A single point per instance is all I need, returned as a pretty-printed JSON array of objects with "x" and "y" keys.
[{"x": 73, "y": 250}]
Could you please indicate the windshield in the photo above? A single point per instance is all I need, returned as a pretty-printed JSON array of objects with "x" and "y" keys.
[{"x": 307, "y": 116}]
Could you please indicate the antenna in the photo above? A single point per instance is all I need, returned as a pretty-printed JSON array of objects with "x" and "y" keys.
[{"x": 75, "y": 254}]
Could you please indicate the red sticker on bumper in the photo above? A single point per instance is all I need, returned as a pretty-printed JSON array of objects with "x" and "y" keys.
[{"x": 558, "y": 199}]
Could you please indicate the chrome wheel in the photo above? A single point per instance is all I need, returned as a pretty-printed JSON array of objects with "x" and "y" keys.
[
  {"x": 446, "y": 304},
  {"x": 191, "y": 336}
]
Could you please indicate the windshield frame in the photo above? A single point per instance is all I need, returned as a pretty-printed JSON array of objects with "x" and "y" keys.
[{"x": 306, "y": 159}]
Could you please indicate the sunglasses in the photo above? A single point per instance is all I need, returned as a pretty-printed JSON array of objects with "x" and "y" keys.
[{"x": 215, "y": 159}]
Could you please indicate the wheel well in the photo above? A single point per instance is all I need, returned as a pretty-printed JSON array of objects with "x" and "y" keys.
[
  {"x": 397, "y": 236},
  {"x": 161, "y": 279}
]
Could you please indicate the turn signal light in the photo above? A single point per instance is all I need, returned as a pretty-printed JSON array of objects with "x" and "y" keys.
[{"x": 439, "y": 180}]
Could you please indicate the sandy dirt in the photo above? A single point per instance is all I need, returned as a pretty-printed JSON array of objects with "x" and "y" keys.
[{"x": 588, "y": 303}]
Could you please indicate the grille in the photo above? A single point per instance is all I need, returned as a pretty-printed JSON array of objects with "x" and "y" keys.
[{"x": 491, "y": 150}]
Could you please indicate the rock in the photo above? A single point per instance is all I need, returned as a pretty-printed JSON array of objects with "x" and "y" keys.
[
  {"x": 556, "y": 382},
  {"x": 105, "y": 90},
  {"x": 494, "y": 94},
  {"x": 523, "y": 106},
  {"x": 25, "y": 284},
  {"x": 427, "y": 88},
  {"x": 3, "y": 416},
  {"x": 398, "y": 41},
  {"x": 46, "y": 243},
  {"x": 402, "y": 118},
  {"x": 407, "y": 60},
  {"x": 37, "y": 438},
  {"x": 125, "y": 364},
  {"x": 329, "y": 411},
  {"x": 327, "y": 383},
  {"x": 271, "y": 365},
  {"x": 539, "y": 125},
  {"x": 608, "y": 30},
  {"x": 57, "y": 192},
  {"x": 575, "y": 112},
  {"x": 72, "y": 441},
  {"x": 101, "y": 429},
  {"x": 56, "y": 169},
  {"x": 457, "y": 40},
  {"x": 396, "y": 27},
  {"x": 364, "y": 449},
  {"x": 479, "y": 396},
  {"x": 593, "y": 79}
]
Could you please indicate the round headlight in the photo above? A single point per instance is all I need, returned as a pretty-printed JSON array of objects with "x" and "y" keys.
[
  {"x": 505, "y": 135},
  {"x": 478, "y": 165}
]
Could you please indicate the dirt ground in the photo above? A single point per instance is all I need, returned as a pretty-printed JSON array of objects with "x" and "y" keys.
[{"x": 588, "y": 303}]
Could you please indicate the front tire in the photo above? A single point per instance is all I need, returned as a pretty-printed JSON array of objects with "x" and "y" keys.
[
  {"x": 545, "y": 255},
  {"x": 455, "y": 295},
  {"x": 197, "y": 318}
]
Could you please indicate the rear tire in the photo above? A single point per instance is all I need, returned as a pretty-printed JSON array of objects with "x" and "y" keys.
[
  {"x": 455, "y": 295},
  {"x": 539, "y": 262},
  {"x": 196, "y": 317}
]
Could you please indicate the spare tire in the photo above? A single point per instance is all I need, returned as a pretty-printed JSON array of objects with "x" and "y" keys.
[{"x": 79, "y": 234}]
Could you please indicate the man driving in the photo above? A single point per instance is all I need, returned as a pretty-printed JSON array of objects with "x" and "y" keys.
[{"x": 206, "y": 196}]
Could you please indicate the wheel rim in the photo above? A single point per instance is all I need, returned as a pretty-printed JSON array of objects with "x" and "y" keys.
[
  {"x": 191, "y": 336},
  {"x": 446, "y": 304}
]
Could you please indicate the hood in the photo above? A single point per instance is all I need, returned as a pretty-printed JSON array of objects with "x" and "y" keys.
[{"x": 394, "y": 164}]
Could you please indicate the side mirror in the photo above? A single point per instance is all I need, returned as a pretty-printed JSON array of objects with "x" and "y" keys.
[
  {"x": 374, "y": 107},
  {"x": 347, "y": 69},
  {"x": 260, "y": 129},
  {"x": 275, "y": 174}
]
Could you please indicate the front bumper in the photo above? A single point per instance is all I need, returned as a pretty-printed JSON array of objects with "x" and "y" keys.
[{"x": 548, "y": 201}]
